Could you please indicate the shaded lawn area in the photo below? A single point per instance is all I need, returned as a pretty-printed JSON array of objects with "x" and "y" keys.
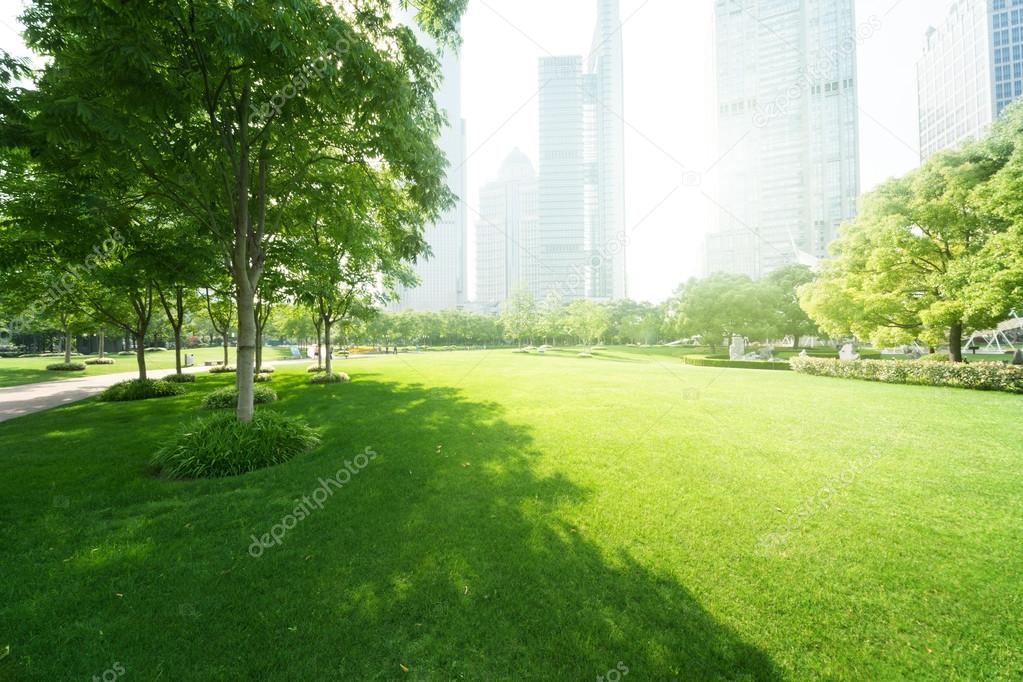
[
  {"x": 529, "y": 518},
  {"x": 20, "y": 371}
]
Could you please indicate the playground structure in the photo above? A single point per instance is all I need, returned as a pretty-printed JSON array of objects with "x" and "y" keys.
[{"x": 1006, "y": 338}]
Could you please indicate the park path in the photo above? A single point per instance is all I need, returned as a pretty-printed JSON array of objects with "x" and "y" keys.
[{"x": 17, "y": 401}]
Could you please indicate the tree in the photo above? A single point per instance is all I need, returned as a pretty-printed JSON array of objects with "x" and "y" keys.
[
  {"x": 718, "y": 307},
  {"x": 551, "y": 317},
  {"x": 587, "y": 320},
  {"x": 903, "y": 268},
  {"x": 997, "y": 279},
  {"x": 220, "y": 309},
  {"x": 520, "y": 316},
  {"x": 226, "y": 108},
  {"x": 781, "y": 292}
]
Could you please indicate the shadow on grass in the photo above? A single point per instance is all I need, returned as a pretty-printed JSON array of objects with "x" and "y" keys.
[{"x": 448, "y": 554}]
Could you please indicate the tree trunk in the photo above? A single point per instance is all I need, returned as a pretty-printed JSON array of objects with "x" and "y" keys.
[
  {"x": 955, "y": 342},
  {"x": 227, "y": 345},
  {"x": 177, "y": 349},
  {"x": 326, "y": 343},
  {"x": 246, "y": 348},
  {"x": 67, "y": 345},
  {"x": 319, "y": 344},
  {"x": 140, "y": 354},
  {"x": 102, "y": 342},
  {"x": 795, "y": 341},
  {"x": 259, "y": 351}
]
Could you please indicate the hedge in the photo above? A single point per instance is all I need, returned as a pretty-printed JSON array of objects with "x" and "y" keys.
[
  {"x": 724, "y": 361},
  {"x": 981, "y": 376}
]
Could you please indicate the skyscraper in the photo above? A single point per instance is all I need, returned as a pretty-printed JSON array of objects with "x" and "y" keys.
[
  {"x": 971, "y": 69},
  {"x": 562, "y": 186},
  {"x": 581, "y": 232},
  {"x": 787, "y": 107},
  {"x": 442, "y": 276},
  {"x": 506, "y": 232},
  {"x": 607, "y": 222}
]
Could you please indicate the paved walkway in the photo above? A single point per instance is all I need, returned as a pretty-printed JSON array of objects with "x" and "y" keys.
[{"x": 17, "y": 401}]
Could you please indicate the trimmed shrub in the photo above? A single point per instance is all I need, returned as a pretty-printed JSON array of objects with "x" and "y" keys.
[
  {"x": 180, "y": 378},
  {"x": 155, "y": 349},
  {"x": 100, "y": 361},
  {"x": 725, "y": 362},
  {"x": 585, "y": 355},
  {"x": 140, "y": 389},
  {"x": 262, "y": 378},
  {"x": 227, "y": 397},
  {"x": 127, "y": 352},
  {"x": 934, "y": 357},
  {"x": 66, "y": 367},
  {"x": 314, "y": 368},
  {"x": 981, "y": 376},
  {"x": 266, "y": 370},
  {"x": 220, "y": 445},
  {"x": 223, "y": 369},
  {"x": 335, "y": 378}
]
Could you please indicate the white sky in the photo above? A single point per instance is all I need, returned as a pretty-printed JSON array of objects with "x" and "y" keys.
[{"x": 669, "y": 83}]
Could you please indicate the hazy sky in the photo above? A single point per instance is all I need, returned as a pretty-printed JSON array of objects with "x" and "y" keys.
[{"x": 669, "y": 114}]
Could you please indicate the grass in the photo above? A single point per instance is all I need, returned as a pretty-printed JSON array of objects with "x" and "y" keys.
[
  {"x": 529, "y": 517},
  {"x": 21, "y": 371}
]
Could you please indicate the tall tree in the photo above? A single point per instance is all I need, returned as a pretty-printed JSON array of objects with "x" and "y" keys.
[
  {"x": 226, "y": 108},
  {"x": 781, "y": 293},
  {"x": 718, "y": 307},
  {"x": 902, "y": 268}
]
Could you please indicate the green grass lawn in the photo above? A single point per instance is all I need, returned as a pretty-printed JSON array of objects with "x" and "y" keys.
[
  {"x": 20, "y": 371},
  {"x": 527, "y": 517}
]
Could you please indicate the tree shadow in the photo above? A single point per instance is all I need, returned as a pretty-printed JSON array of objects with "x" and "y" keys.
[{"x": 448, "y": 553}]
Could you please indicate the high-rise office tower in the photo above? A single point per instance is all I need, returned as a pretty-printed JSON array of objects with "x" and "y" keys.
[
  {"x": 562, "y": 183},
  {"x": 788, "y": 168},
  {"x": 607, "y": 212},
  {"x": 581, "y": 233},
  {"x": 971, "y": 69},
  {"x": 442, "y": 276},
  {"x": 506, "y": 233}
]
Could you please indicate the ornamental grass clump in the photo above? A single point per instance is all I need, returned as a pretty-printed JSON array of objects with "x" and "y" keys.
[
  {"x": 140, "y": 389},
  {"x": 227, "y": 397},
  {"x": 335, "y": 378},
  {"x": 66, "y": 367},
  {"x": 221, "y": 445}
]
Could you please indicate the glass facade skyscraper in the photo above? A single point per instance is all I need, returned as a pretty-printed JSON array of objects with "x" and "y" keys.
[
  {"x": 788, "y": 165},
  {"x": 581, "y": 196},
  {"x": 442, "y": 276},
  {"x": 506, "y": 232},
  {"x": 971, "y": 69}
]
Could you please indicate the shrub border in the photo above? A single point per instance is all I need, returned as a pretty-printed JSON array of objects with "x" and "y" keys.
[
  {"x": 710, "y": 361},
  {"x": 979, "y": 376}
]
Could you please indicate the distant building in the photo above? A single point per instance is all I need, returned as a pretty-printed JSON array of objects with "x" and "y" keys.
[
  {"x": 443, "y": 275},
  {"x": 562, "y": 184},
  {"x": 607, "y": 238},
  {"x": 506, "y": 232},
  {"x": 971, "y": 69},
  {"x": 581, "y": 196},
  {"x": 788, "y": 144}
]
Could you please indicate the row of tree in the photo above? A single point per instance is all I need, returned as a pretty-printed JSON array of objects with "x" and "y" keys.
[{"x": 265, "y": 152}]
